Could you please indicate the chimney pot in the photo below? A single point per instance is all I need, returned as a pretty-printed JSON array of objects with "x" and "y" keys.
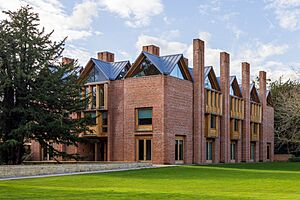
[
  {"x": 152, "y": 49},
  {"x": 67, "y": 61},
  {"x": 106, "y": 56}
]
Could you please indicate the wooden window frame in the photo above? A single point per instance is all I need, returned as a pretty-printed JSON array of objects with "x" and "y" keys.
[
  {"x": 143, "y": 128},
  {"x": 144, "y": 138},
  {"x": 179, "y": 138}
]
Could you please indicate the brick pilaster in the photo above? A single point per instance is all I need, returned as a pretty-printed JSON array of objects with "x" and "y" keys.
[
  {"x": 246, "y": 123},
  {"x": 199, "y": 120},
  {"x": 225, "y": 120},
  {"x": 263, "y": 100}
]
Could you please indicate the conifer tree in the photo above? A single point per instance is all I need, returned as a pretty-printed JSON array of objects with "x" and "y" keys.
[{"x": 37, "y": 94}]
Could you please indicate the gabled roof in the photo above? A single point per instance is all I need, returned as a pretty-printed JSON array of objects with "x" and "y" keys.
[
  {"x": 235, "y": 86},
  {"x": 165, "y": 64},
  {"x": 254, "y": 93},
  {"x": 110, "y": 70},
  {"x": 206, "y": 71}
]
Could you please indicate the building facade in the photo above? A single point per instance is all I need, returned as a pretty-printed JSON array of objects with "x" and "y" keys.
[{"x": 160, "y": 110}]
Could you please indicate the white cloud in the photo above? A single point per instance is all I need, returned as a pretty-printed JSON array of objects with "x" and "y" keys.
[
  {"x": 171, "y": 47},
  {"x": 79, "y": 53},
  {"x": 287, "y": 13},
  {"x": 53, "y": 16},
  {"x": 166, "y": 46},
  {"x": 136, "y": 13}
]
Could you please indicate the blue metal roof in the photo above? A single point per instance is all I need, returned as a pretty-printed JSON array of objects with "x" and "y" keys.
[
  {"x": 206, "y": 71},
  {"x": 165, "y": 64},
  {"x": 110, "y": 70}
]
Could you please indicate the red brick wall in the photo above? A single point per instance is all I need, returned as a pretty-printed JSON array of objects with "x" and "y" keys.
[
  {"x": 269, "y": 123},
  {"x": 178, "y": 116},
  {"x": 142, "y": 92},
  {"x": 116, "y": 111}
]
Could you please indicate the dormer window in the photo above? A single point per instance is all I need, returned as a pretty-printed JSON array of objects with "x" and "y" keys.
[
  {"x": 146, "y": 68},
  {"x": 207, "y": 83},
  {"x": 177, "y": 72}
]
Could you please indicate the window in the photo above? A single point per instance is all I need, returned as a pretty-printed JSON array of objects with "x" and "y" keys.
[
  {"x": 213, "y": 121},
  {"x": 179, "y": 149},
  {"x": 236, "y": 125},
  {"x": 177, "y": 72},
  {"x": 144, "y": 119},
  {"x": 94, "y": 97},
  {"x": 209, "y": 151},
  {"x": 94, "y": 76},
  {"x": 87, "y": 98},
  {"x": 232, "y": 151},
  {"x": 47, "y": 152},
  {"x": 101, "y": 96},
  {"x": 91, "y": 117},
  {"x": 146, "y": 68},
  {"x": 252, "y": 151},
  {"x": 207, "y": 83},
  {"x": 231, "y": 91},
  {"x": 144, "y": 149},
  {"x": 255, "y": 128},
  {"x": 104, "y": 122}
]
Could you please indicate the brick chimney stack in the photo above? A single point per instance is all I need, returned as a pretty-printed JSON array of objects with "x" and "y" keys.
[
  {"x": 246, "y": 122},
  {"x": 263, "y": 101},
  {"x": 225, "y": 120},
  {"x": 106, "y": 56},
  {"x": 199, "y": 104},
  {"x": 67, "y": 61},
  {"x": 152, "y": 49}
]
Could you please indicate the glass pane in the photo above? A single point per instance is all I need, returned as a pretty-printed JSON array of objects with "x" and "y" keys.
[
  {"x": 148, "y": 149},
  {"x": 101, "y": 95},
  {"x": 94, "y": 97},
  {"x": 104, "y": 118},
  {"x": 207, "y": 83},
  {"x": 145, "y": 116},
  {"x": 86, "y": 98},
  {"x": 177, "y": 72},
  {"x": 180, "y": 149},
  {"x": 91, "y": 76},
  {"x": 252, "y": 151},
  {"x": 146, "y": 68},
  {"x": 91, "y": 116},
  {"x": 176, "y": 149},
  {"x": 213, "y": 121},
  {"x": 141, "y": 150},
  {"x": 231, "y": 91}
]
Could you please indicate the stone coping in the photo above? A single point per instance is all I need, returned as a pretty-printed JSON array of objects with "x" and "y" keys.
[{"x": 7, "y": 171}]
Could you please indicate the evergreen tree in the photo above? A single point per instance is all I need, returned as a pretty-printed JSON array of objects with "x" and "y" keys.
[{"x": 37, "y": 95}]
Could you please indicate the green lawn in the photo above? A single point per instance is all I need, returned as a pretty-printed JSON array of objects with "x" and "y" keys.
[{"x": 230, "y": 181}]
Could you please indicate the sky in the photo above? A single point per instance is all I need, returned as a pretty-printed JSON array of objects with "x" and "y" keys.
[{"x": 265, "y": 33}]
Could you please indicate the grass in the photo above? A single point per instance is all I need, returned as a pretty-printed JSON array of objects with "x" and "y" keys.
[{"x": 228, "y": 181}]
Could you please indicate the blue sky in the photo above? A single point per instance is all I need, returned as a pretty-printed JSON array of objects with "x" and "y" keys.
[{"x": 264, "y": 33}]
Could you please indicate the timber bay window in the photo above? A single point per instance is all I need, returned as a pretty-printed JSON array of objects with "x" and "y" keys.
[
  {"x": 144, "y": 119},
  {"x": 179, "y": 149},
  {"x": 209, "y": 151},
  {"x": 232, "y": 150},
  {"x": 144, "y": 149}
]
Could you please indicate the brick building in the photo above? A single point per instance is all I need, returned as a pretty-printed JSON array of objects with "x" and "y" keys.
[{"x": 160, "y": 110}]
